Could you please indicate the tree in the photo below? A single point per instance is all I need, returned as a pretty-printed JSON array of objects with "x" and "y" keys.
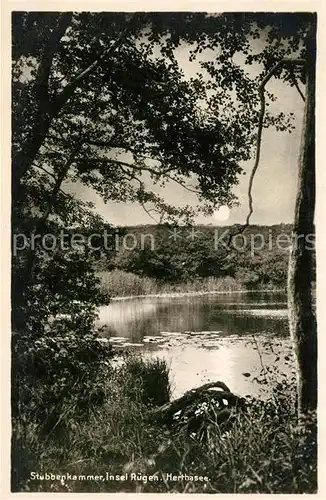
[
  {"x": 86, "y": 104},
  {"x": 303, "y": 325},
  {"x": 119, "y": 78}
]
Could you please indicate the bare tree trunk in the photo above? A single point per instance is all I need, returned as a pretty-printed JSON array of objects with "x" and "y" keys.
[{"x": 302, "y": 321}]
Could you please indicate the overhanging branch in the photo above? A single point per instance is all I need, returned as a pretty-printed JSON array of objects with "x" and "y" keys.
[
  {"x": 69, "y": 89},
  {"x": 295, "y": 83},
  {"x": 261, "y": 92},
  {"x": 262, "y": 85}
]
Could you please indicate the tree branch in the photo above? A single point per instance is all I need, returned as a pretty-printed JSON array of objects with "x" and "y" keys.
[
  {"x": 68, "y": 90},
  {"x": 261, "y": 92},
  {"x": 262, "y": 85},
  {"x": 124, "y": 147},
  {"x": 49, "y": 110},
  {"x": 132, "y": 177},
  {"x": 280, "y": 63},
  {"x": 44, "y": 170},
  {"x": 147, "y": 211},
  {"x": 295, "y": 83},
  {"x": 53, "y": 177},
  {"x": 164, "y": 173}
]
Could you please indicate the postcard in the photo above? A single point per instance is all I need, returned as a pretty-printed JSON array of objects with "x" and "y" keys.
[{"x": 164, "y": 273}]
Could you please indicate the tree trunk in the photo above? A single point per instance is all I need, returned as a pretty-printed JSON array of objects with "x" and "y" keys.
[
  {"x": 302, "y": 321},
  {"x": 23, "y": 160}
]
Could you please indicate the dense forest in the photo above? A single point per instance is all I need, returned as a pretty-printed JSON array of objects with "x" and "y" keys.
[{"x": 258, "y": 257}]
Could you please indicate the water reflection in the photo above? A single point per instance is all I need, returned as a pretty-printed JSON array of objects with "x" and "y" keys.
[
  {"x": 204, "y": 338},
  {"x": 230, "y": 315}
]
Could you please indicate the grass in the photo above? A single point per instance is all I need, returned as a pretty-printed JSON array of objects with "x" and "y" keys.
[
  {"x": 122, "y": 284},
  {"x": 265, "y": 450},
  {"x": 147, "y": 381}
]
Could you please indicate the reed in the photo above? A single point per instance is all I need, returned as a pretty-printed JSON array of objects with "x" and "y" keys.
[{"x": 122, "y": 284}]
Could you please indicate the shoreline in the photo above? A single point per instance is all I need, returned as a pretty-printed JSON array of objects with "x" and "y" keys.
[{"x": 194, "y": 294}]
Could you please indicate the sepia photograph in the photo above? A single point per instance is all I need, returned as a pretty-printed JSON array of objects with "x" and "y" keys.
[{"x": 163, "y": 255}]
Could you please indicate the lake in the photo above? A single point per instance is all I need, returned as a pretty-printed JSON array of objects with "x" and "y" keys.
[{"x": 203, "y": 337}]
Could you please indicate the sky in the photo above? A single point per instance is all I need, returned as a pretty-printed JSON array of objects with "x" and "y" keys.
[{"x": 275, "y": 183}]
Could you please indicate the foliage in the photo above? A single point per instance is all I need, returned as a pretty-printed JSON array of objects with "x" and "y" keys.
[
  {"x": 103, "y": 128},
  {"x": 61, "y": 395},
  {"x": 196, "y": 260},
  {"x": 61, "y": 371},
  {"x": 265, "y": 450},
  {"x": 100, "y": 98}
]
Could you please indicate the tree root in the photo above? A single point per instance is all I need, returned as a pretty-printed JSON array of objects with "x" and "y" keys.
[{"x": 187, "y": 409}]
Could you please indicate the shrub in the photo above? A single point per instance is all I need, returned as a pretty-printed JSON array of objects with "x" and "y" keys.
[{"x": 56, "y": 380}]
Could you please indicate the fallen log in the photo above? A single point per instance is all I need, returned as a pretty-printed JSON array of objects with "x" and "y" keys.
[{"x": 186, "y": 407}]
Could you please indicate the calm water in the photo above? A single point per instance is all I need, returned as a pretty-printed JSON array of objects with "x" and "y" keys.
[{"x": 204, "y": 338}]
